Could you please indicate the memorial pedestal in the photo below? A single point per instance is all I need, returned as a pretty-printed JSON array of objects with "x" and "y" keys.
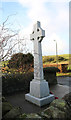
[{"x": 39, "y": 93}]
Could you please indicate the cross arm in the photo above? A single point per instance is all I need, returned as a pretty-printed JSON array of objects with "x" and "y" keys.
[
  {"x": 41, "y": 34},
  {"x": 31, "y": 36}
]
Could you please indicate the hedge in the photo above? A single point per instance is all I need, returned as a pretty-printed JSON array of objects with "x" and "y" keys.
[
  {"x": 12, "y": 83},
  {"x": 51, "y": 69},
  {"x": 16, "y": 82}
]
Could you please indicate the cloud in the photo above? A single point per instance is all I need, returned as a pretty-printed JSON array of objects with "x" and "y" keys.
[
  {"x": 54, "y": 20},
  {"x": 49, "y": 45},
  {"x": 9, "y": 0}
]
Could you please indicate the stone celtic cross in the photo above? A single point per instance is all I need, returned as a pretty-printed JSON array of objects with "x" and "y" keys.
[
  {"x": 39, "y": 89},
  {"x": 37, "y": 35}
]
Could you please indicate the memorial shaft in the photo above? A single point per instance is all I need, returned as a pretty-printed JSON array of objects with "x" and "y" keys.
[
  {"x": 37, "y": 36},
  {"x": 38, "y": 64}
]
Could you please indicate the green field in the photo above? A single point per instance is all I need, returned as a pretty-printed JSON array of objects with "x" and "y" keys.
[{"x": 52, "y": 58}]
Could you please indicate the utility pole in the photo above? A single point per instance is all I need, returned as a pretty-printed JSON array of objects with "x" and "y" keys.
[{"x": 56, "y": 53}]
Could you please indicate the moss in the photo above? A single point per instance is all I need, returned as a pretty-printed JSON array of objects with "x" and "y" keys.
[
  {"x": 57, "y": 109},
  {"x": 67, "y": 98},
  {"x": 53, "y": 112},
  {"x": 33, "y": 115},
  {"x": 60, "y": 104},
  {"x": 23, "y": 116},
  {"x": 44, "y": 115}
]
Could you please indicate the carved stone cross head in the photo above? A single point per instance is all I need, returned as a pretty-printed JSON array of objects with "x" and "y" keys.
[{"x": 38, "y": 33}]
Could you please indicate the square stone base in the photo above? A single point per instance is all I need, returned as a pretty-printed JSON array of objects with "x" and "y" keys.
[
  {"x": 39, "y": 89},
  {"x": 40, "y": 101}
]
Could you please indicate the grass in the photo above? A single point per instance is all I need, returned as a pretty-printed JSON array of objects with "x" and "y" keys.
[
  {"x": 63, "y": 74},
  {"x": 52, "y": 59}
]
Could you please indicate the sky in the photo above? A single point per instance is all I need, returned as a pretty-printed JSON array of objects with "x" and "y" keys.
[{"x": 54, "y": 18}]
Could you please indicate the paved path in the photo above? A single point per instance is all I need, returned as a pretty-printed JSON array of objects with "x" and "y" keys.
[
  {"x": 59, "y": 90},
  {"x": 18, "y": 100}
]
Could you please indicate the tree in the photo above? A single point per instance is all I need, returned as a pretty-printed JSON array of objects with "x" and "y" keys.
[
  {"x": 20, "y": 60},
  {"x": 7, "y": 36},
  {"x": 9, "y": 39}
]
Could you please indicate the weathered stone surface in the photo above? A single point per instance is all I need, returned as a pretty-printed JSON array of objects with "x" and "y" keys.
[
  {"x": 67, "y": 98},
  {"x": 23, "y": 116},
  {"x": 6, "y": 107},
  {"x": 13, "y": 113},
  {"x": 33, "y": 115},
  {"x": 60, "y": 104},
  {"x": 57, "y": 109},
  {"x": 53, "y": 112},
  {"x": 30, "y": 116}
]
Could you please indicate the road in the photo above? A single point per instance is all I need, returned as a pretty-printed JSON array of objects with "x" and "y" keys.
[{"x": 64, "y": 80}]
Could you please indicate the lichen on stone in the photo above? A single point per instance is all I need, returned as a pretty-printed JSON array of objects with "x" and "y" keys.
[
  {"x": 60, "y": 104},
  {"x": 33, "y": 115}
]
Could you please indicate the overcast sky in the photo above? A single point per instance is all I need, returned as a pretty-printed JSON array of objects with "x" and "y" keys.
[{"x": 54, "y": 18}]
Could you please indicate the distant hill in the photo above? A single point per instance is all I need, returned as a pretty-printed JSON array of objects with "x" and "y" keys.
[{"x": 52, "y": 58}]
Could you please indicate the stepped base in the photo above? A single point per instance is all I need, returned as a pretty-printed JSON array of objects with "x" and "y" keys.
[{"x": 39, "y": 101}]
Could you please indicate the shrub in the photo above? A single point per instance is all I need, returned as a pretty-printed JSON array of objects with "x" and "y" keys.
[
  {"x": 51, "y": 69},
  {"x": 20, "y": 60},
  {"x": 12, "y": 83}
]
